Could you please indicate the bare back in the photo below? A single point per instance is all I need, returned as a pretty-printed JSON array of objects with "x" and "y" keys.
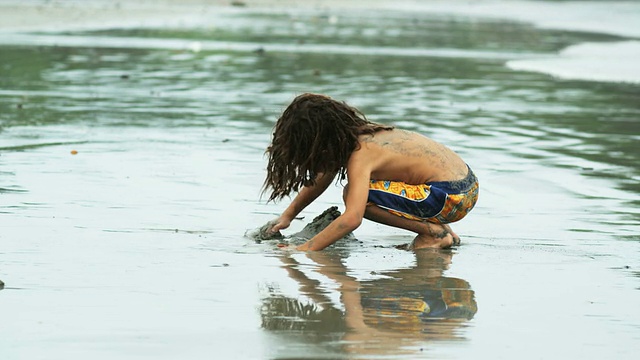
[{"x": 400, "y": 155}]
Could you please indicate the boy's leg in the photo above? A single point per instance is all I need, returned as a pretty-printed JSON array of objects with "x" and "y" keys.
[{"x": 429, "y": 235}]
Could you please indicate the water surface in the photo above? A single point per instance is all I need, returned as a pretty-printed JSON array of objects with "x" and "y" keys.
[{"x": 133, "y": 247}]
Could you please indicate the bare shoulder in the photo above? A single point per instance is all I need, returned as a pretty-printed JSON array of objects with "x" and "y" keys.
[{"x": 404, "y": 142}]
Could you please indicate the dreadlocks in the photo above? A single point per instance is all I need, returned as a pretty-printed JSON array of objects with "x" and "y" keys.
[{"x": 315, "y": 134}]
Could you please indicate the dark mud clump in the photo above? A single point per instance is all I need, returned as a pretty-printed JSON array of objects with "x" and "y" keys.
[{"x": 318, "y": 224}]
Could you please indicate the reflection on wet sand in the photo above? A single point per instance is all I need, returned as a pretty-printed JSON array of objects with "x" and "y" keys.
[{"x": 399, "y": 312}]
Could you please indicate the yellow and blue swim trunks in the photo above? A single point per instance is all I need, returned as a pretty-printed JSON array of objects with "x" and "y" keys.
[{"x": 439, "y": 202}]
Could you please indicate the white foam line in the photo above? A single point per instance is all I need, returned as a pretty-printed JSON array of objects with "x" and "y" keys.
[
  {"x": 607, "y": 17},
  {"x": 607, "y": 62},
  {"x": 176, "y": 44}
]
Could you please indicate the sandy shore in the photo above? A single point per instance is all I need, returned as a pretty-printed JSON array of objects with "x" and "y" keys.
[{"x": 132, "y": 247}]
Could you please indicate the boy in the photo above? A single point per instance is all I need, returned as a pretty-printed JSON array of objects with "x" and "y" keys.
[{"x": 395, "y": 177}]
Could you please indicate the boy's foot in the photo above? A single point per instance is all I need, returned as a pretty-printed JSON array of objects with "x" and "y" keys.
[
  {"x": 438, "y": 236},
  {"x": 424, "y": 242},
  {"x": 456, "y": 238}
]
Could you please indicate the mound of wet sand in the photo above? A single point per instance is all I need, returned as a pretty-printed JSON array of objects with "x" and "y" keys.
[
  {"x": 316, "y": 225},
  {"x": 319, "y": 223}
]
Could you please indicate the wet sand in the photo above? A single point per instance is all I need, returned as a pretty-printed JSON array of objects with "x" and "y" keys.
[{"x": 133, "y": 247}]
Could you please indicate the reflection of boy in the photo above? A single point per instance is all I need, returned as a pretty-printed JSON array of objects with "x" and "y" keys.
[
  {"x": 395, "y": 177},
  {"x": 408, "y": 299},
  {"x": 403, "y": 308}
]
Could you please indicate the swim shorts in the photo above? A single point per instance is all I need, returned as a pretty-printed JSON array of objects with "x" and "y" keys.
[{"x": 439, "y": 202}]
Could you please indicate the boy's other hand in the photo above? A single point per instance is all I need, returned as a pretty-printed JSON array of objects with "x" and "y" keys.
[{"x": 288, "y": 247}]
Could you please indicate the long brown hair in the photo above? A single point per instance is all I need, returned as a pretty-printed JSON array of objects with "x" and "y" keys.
[{"x": 315, "y": 134}]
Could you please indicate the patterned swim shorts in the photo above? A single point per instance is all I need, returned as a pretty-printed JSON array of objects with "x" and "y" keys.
[{"x": 439, "y": 202}]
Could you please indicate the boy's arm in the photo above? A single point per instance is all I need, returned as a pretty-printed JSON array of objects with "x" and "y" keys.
[
  {"x": 305, "y": 197},
  {"x": 358, "y": 174}
]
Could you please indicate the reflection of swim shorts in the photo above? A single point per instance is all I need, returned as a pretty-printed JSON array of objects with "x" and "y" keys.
[
  {"x": 439, "y": 202},
  {"x": 407, "y": 307}
]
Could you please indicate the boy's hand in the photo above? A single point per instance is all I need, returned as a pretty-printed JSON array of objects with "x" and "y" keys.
[
  {"x": 293, "y": 247},
  {"x": 279, "y": 224}
]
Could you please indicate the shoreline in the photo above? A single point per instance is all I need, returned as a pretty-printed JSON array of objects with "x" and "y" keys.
[{"x": 602, "y": 61}]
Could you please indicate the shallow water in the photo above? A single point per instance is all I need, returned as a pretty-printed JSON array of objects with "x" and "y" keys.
[{"x": 133, "y": 247}]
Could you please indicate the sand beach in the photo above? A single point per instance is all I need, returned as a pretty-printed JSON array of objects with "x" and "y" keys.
[{"x": 132, "y": 138}]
